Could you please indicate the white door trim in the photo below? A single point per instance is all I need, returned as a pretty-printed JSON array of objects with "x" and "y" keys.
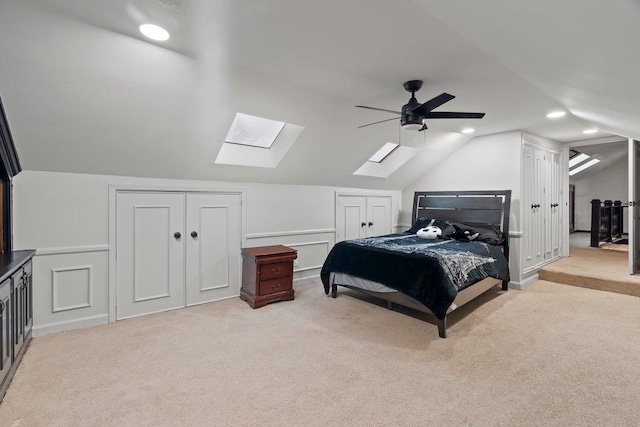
[{"x": 114, "y": 189}]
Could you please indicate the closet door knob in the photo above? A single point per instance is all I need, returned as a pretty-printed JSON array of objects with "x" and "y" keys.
[
  {"x": 370, "y": 224},
  {"x": 194, "y": 234},
  {"x": 177, "y": 235},
  {"x": 363, "y": 224}
]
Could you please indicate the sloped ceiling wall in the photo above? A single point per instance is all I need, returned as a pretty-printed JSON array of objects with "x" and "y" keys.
[{"x": 85, "y": 94}]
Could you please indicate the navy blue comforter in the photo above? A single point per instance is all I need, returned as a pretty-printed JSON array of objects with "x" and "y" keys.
[{"x": 430, "y": 271}]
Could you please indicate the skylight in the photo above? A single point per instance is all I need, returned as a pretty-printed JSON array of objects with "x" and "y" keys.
[
  {"x": 583, "y": 166},
  {"x": 578, "y": 159},
  {"x": 394, "y": 156},
  {"x": 254, "y": 131},
  {"x": 382, "y": 153},
  {"x": 258, "y": 142}
]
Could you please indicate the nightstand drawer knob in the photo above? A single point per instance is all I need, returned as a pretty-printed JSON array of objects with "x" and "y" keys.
[
  {"x": 275, "y": 270},
  {"x": 276, "y": 286}
]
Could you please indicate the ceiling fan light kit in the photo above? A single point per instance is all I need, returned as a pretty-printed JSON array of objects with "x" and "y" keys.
[{"x": 413, "y": 114}]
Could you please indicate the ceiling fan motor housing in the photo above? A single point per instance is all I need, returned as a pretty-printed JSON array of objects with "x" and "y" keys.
[{"x": 408, "y": 117}]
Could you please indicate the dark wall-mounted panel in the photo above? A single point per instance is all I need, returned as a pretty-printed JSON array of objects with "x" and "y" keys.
[{"x": 8, "y": 155}]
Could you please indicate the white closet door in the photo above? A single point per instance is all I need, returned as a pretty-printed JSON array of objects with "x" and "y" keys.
[
  {"x": 149, "y": 253},
  {"x": 351, "y": 217},
  {"x": 533, "y": 206},
  {"x": 379, "y": 215},
  {"x": 556, "y": 205},
  {"x": 213, "y": 243},
  {"x": 541, "y": 209}
]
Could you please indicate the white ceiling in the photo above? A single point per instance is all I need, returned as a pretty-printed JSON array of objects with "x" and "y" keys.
[{"x": 85, "y": 92}]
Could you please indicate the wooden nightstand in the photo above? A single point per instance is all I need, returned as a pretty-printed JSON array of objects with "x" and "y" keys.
[{"x": 267, "y": 274}]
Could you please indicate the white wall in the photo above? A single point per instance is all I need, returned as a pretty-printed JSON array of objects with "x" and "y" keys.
[
  {"x": 65, "y": 217},
  {"x": 490, "y": 162},
  {"x": 612, "y": 183}
]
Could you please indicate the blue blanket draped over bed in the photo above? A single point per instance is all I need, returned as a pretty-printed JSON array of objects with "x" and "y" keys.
[{"x": 430, "y": 271}]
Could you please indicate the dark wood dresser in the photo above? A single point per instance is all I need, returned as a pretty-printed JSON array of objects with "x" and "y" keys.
[
  {"x": 16, "y": 311},
  {"x": 267, "y": 274}
]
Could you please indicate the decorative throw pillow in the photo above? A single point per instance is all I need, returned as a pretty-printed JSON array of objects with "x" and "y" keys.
[
  {"x": 429, "y": 233},
  {"x": 421, "y": 222}
]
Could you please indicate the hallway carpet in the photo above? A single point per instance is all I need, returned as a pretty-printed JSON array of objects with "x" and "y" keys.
[{"x": 594, "y": 268}]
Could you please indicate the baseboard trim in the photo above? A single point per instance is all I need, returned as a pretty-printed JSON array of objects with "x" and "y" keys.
[
  {"x": 68, "y": 325},
  {"x": 306, "y": 280},
  {"x": 525, "y": 283}
]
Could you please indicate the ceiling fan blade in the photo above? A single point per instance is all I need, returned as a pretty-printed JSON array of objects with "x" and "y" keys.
[
  {"x": 375, "y": 123},
  {"x": 433, "y": 103},
  {"x": 378, "y": 109},
  {"x": 452, "y": 115}
]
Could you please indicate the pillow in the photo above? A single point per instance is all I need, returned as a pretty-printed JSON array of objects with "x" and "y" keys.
[
  {"x": 421, "y": 222},
  {"x": 464, "y": 233},
  {"x": 487, "y": 235},
  {"x": 490, "y": 236}
]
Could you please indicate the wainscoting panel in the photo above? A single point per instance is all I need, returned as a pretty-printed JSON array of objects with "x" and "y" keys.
[
  {"x": 313, "y": 246},
  {"x": 70, "y": 288}
]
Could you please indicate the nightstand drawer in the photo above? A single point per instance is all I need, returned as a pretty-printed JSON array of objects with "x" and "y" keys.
[
  {"x": 279, "y": 269},
  {"x": 273, "y": 286}
]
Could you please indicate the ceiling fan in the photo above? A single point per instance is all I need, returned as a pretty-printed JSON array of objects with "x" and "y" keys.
[{"x": 414, "y": 114}]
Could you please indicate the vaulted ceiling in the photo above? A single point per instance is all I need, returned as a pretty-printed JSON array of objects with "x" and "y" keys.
[{"x": 86, "y": 92}]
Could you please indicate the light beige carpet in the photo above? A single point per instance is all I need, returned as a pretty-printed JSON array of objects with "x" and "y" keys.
[{"x": 551, "y": 355}]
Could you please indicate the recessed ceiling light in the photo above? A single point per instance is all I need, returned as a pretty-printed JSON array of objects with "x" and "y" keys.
[
  {"x": 556, "y": 114},
  {"x": 154, "y": 32},
  {"x": 468, "y": 130},
  {"x": 588, "y": 131}
]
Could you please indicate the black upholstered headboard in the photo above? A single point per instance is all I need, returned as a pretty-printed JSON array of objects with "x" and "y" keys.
[{"x": 475, "y": 208}]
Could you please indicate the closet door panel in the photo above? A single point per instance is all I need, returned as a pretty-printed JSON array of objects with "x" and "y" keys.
[
  {"x": 378, "y": 216},
  {"x": 528, "y": 208},
  {"x": 351, "y": 214},
  {"x": 150, "y": 253},
  {"x": 542, "y": 206},
  {"x": 538, "y": 220},
  {"x": 556, "y": 205},
  {"x": 213, "y": 247}
]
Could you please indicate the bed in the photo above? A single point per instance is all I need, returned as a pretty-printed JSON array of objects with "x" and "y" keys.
[{"x": 432, "y": 276}]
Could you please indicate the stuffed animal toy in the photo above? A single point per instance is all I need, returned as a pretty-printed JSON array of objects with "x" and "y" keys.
[
  {"x": 463, "y": 234},
  {"x": 430, "y": 232}
]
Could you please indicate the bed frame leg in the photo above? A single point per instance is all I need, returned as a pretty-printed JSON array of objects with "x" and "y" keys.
[
  {"x": 505, "y": 285},
  {"x": 389, "y": 305},
  {"x": 442, "y": 328},
  {"x": 334, "y": 290}
]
